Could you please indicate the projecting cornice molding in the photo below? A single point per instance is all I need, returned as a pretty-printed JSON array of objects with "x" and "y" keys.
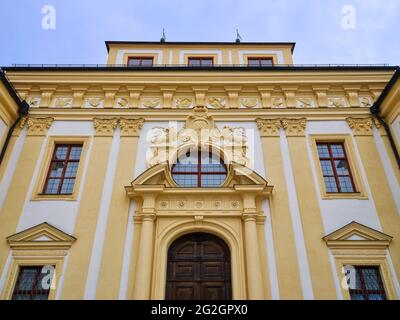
[
  {"x": 360, "y": 126},
  {"x": 38, "y": 126}
]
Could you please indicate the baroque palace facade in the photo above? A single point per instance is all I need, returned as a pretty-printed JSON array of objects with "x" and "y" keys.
[{"x": 185, "y": 170}]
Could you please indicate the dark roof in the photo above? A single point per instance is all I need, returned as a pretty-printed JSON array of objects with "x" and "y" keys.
[
  {"x": 159, "y": 43},
  {"x": 155, "y": 68},
  {"x": 386, "y": 90}
]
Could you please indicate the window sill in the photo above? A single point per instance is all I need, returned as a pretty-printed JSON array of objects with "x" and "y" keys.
[
  {"x": 51, "y": 197},
  {"x": 339, "y": 195}
]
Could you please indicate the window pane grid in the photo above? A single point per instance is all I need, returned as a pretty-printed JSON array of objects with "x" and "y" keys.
[
  {"x": 63, "y": 169},
  {"x": 201, "y": 61},
  {"x": 140, "y": 61},
  {"x": 207, "y": 172},
  {"x": 369, "y": 284},
  {"x": 29, "y": 284},
  {"x": 335, "y": 168},
  {"x": 259, "y": 62}
]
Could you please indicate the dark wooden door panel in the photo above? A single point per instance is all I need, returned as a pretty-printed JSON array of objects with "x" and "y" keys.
[
  {"x": 211, "y": 270},
  {"x": 198, "y": 268},
  {"x": 184, "y": 291}
]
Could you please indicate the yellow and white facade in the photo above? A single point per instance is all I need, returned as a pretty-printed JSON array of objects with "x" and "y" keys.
[{"x": 288, "y": 238}]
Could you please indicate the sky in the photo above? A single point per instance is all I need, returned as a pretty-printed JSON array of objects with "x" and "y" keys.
[{"x": 325, "y": 31}]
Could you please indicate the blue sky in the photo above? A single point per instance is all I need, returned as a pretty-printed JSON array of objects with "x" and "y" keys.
[{"x": 82, "y": 26}]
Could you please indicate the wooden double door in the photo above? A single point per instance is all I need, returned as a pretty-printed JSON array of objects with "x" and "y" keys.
[{"x": 199, "y": 268}]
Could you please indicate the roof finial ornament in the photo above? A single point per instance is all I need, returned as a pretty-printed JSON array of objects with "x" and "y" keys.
[
  {"x": 238, "y": 37},
  {"x": 163, "y": 37}
]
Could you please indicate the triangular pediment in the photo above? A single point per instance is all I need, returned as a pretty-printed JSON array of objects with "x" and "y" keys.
[
  {"x": 356, "y": 234},
  {"x": 43, "y": 234}
]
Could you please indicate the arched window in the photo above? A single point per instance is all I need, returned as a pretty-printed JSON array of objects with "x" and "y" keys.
[{"x": 199, "y": 168}]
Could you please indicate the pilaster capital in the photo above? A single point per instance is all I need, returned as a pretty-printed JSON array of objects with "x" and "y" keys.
[
  {"x": 105, "y": 127},
  {"x": 294, "y": 127},
  {"x": 269, "y": 127},
  {"x": 249, "y": 217},
  {"x": 20, "y": 126},
  {"x": 147, "y": 216},
  {"x": 131, "y": 127},
  {"x": 379, "y": 126},
  {"x": 38, "y": 126},
  {"x": 360, "y": 126}
]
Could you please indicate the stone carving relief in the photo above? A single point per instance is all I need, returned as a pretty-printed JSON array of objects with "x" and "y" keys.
[
  {"x": 63, "y": 102},
  {"x": 183, "y": 102},
  {"x": 216, "y": 103},
  {"x": 365, "y": 102},
  {"x": 199, "y": 131},
  {"x": 336, "y": 102},
  {"x": 94, "y": 102},
  {"x": 34, "y": 102},
  {"x": 249, "y": 102},
  {"x": 151, "y": 102},
  {"x": 277, "y": 103},
  {"x": 122, "y": 103},
  {"x": 305, "y": 102}
]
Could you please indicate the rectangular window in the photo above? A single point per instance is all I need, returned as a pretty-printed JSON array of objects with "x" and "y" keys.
[
  {"x": 201, "y": 62},
  {"x": 29, "y": 284},
  {"x": 259, "y": 62},
  {"x": 63, "y": 169},
  {"x": 368, "y": 284},
  {"x": 335, "y": 167},
  {"x": 140, "y": 61}
]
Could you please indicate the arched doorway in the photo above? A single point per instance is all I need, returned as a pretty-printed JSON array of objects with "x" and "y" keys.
[{"x": 199, "y": 268}]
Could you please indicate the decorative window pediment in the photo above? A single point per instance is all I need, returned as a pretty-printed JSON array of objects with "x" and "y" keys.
[
  {"x": 357, "y": 235},
  {"x": 43, "y": 235},
  {"x": 159, "y": 178},
  {"x": 201, "y": 132}
]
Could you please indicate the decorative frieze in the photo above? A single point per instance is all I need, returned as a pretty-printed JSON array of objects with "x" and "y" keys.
[
  {"x": 304, "y": 102},
  {"x": 200, "y": 95},
  {"x": 104, "y": 127},
  {"x": 46, "y": 98},
  {"x": 131, "y": 127},
  {"x": 336, "y": 102},
  {"x": 183, "y": 103},
  {"x": 265, "y": 93},
  {"x": 277, "y": 102},
  {"x": 233, "y": 95},
  {"x": 122, "y": 102},
  {"x": 34, "y": 102},
  {"x": 62, "y": 102},
  {"x": 249, "y": 102},
  {"x": 269, "y": 127},
  {"x": 168, "y": 94},
  {"x": 151, "y": 103},
  {"x": 294, "y": 127},
  {"x": 134, "y": 95},
  {"x": 360, "y": 126},
  {"x": 216, "y": 103},
  {"x": 39, "y": 126},
  {"x": 290, "y": 95},
  {"x": 94, "y": 103},
  {"x": 365, "y": 102}
]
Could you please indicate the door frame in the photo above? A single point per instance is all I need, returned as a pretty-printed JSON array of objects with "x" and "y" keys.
[{"x": 215, "y": 226}]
